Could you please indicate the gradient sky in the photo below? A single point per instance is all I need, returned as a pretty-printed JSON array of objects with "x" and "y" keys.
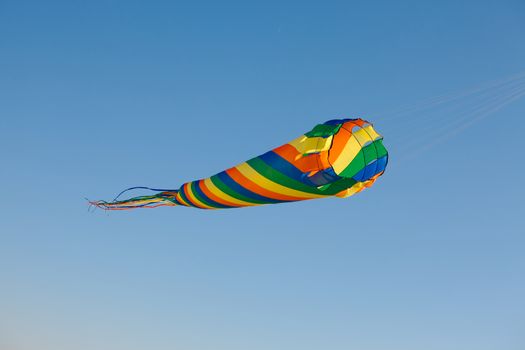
[{"x": 97, "y": 96}]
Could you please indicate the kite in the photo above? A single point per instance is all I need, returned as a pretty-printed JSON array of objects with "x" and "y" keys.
[{"x": 340, "y": 158}]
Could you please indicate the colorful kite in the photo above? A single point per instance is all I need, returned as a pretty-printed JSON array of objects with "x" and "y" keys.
[{"x": 337, "y": 158}]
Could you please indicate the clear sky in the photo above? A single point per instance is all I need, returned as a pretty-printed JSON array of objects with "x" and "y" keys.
[{"x": 97, "y": 96}]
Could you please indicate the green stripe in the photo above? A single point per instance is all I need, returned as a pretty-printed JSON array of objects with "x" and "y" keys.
[
  {"x": 355, "y": 165},
  {"x": 338, "y": 186},
  {"x": 370, "y": 153},
  {"x": 193, "y": 184},
  {"x": 381, "y": 150},
  {"x": 322, "y": 130},
  {"x": 222, "y": 186},
  {"x": 276, "y": 176}
]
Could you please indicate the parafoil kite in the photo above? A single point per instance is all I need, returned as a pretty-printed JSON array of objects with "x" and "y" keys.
[{"x": 337, "y": 158}]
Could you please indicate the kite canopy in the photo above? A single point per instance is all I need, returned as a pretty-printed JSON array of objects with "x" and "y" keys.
[{"x": 337, "y": 158}]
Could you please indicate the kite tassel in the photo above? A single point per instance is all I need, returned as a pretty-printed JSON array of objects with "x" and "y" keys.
[{"x": 162, "y": 199}]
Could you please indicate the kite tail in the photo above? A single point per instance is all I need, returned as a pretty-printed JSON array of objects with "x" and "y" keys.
[{"x": 162, "y": 199}]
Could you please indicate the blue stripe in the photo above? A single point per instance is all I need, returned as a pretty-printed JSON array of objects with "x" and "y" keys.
[
  {"x": 324, "y": 177},
  {"x": 338, "y": 121},
  {"x": 381, "y": 164},
  {"x": 371, "y": 169},
  {"x": 359, "y": 176},
  {"x": 280, "y": 164}
]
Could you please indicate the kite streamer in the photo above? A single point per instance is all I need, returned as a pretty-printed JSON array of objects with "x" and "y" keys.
[{"x": 337, "y": 158}]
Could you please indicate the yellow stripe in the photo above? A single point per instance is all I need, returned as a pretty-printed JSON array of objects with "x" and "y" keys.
[
  {"x": 365, "y": 135},
  {"x": 373, "y": 134},
  {"x": 305, "y": 144},
  {"x": 266, "y": 183},
  {"x": 216, "y": 191},
  {"x": 190, "y": 194},
  {"x": 349, "y": 152}
]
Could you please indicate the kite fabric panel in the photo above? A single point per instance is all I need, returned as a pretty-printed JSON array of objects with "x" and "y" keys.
[{"x": 337, "y": 158}]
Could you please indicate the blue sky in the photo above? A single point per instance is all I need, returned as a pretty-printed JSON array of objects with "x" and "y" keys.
[{"x": 102, "y": 95}]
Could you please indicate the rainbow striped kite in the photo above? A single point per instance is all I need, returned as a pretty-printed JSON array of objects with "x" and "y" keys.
[{"x": 338, "y": 158}]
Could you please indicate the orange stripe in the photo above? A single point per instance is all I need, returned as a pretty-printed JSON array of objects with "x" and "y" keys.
[
  {"x": 324, "y": 163},
  {"x": 212, "y": 196},
  {"x": 288, "y": 152},
  {"x": 252, "y": 186},
  {"x": 308, "y": 163},
  {"x": 360, "y": 123},
  {"x": 373, "y": 179},
  {"x": 339, "y": 143},
  {"x": 313, "y": 162}
]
